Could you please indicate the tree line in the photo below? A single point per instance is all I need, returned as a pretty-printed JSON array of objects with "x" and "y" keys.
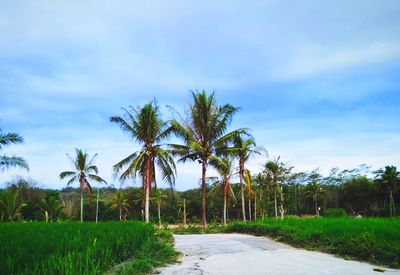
[{"x": 205, "y": 138}]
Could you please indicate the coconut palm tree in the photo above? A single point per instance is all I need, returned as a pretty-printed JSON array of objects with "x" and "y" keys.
[
  {"x": 6, "y": 162},
  {"x": 245, "y": 148},
  {"x": 10, "y": 205},
  {"x": 275, "y": 172},
  {"x": 51, "y": 207},
  {"x": 83, "y": 169},
  {"x": 144, "y": 124},
  {"x": 159, "y": 197},
  {"x": 204, "y": 135},
  {"x": 390, "y": 179},
  {"x": 314, "y": 191},
  {"x": 226, "y": 171},
  {"x": 119, "y": 201}
]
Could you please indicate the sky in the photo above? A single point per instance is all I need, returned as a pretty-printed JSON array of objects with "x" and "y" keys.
[{"x": 318, "y": 82}]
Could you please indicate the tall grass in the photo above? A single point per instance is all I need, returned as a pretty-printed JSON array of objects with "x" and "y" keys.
[
  {"x": 372, "y": 239},
  {"x": 70, "y": 248}
]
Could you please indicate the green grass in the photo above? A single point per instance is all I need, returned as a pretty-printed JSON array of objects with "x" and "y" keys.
[
  {"x": 376, "y": 240},
  {"x": 87, "y": 248}
]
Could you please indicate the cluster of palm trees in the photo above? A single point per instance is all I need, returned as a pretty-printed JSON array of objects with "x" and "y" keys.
[{"x": 205, "y": 140}]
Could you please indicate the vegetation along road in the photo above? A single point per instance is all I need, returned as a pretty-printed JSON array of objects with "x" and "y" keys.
[{"x": 244, "y": 254}]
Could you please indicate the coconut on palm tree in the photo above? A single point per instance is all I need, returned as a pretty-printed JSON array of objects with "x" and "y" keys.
[
  {"x": 144, "y": 125},
  {"x": 119, "y": 201},
  {"x": 245, "y": 148},
  {"x": 6, "y": 162},
  {"x": 204, "y": 135},
  {"x": 159, "y": 197},
  {"x": 84, "y": 169}
]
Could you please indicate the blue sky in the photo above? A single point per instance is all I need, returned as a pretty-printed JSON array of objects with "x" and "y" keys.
[{"x": 317, "y": 81}]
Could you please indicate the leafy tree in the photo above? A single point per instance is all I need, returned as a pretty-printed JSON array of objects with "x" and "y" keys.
[
  {"x": 10, "y": 205},
  {"x": 119, "y": 201},
  {"x": 359, "y": 194},
  {"x": 159, "y": 197},
  {"x": 84, "y": 169},
  {"x": 146, "y": 127},
  {"x": 204, "y": 135},
  {"x": 390, "y": 180},
  {"x": 6, "y": 162}
]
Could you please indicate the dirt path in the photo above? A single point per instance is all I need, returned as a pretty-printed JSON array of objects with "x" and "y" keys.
[{"x": 244, "y": 254}]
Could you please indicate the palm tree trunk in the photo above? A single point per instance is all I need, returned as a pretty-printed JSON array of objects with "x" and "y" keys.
[
  {"x": 203, "y": 193},
  {"x": 120, "y": 213},
  {"x": 249, "y": 201},
  {"x": 97, "y": 204},
  {"x": 147, "y": 190},
  {"x": 276, "y": 205},
  {"x": 242, "y": 192},
  {"x": 81, "y": 206},
  {"x": 184, "y": 212},
  {"x": 225, "y": 195},
  {"x": 255, "y": 207},
  {"x": 281, "y": 206},
  {"x": 159, "y": 213},
  {"x": 391, "y": 203}
]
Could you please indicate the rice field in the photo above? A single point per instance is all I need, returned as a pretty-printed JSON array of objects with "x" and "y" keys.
[
  {"x": 376, "y": 240},
  {"x": 74, "y": 248}
]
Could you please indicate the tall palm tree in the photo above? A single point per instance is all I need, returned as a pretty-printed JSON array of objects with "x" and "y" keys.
[
  {"x": 314, "y": 191},
  {"x": 83, "y": 169},
  {"x": 10, "y": 205},
  {"x": 245, "y": 148},
  {"x": 119, "y": 201},
  {"x": 204, "y": 135},
  {"x": 6, "y": 162},
  {"x": 390, "y": 179},
  {"x": 226, "y": 171},
  {"x": 144, "y": 124},
  {"x": 159, "y": 197}
]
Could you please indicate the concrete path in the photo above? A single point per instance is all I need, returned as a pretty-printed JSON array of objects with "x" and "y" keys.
[{"x": 244, "y": 254}]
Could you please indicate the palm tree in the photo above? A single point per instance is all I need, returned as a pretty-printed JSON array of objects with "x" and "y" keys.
[
  {"x": 245, "y": 148},
  {"x": 146, "y": 126},
  {"x": 119, "y": 201},
  {"x": 204, "y": 135},
  {"x": 390, "y": 178},
  {"x": 84, "y": 169},
  {"x": 10, "y": 205},
  {"x": 51, "y": 207},
  {"x": 275, "y": 171},
  {"x": 314, "y": 191},
  {"x": 6, "y": 162},
  {"x": 158, "y": 197},
  {"x": 226, "y": 171}
]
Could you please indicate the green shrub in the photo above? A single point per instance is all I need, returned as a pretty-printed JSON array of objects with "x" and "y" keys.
[{"x": 335, "y": 212}]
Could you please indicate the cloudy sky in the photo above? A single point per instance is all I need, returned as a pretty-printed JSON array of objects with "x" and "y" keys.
[{"x": 318, "y": 82}]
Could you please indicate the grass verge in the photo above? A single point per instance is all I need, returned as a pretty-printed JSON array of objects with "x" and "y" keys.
[{"x": 376, "y": 240}]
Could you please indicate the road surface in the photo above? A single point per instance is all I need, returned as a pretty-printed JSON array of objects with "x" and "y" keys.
[{"x": 243, "y": 254}]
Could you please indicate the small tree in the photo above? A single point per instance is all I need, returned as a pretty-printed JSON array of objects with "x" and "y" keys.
[
  {"x": 10, "y": 205},
  {"x": 159, "y": 197},
  {"x": 84, "y": 169},
  {"x": 119, "y": 201}
]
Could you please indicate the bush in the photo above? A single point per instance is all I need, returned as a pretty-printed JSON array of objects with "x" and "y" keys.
[{"x": 335, "y": 213}]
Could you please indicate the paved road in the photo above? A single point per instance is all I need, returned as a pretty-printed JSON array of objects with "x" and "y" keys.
[{"x": 244, "y": 254}]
